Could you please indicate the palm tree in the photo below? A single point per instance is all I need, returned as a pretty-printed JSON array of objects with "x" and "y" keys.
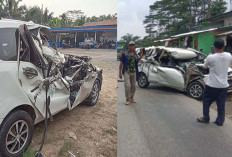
[
  {"x": 127, "y": 38},
  {"x": 33, "y": 14},
  {"x": 47, "y": 17},
  {"x": 11, "y": 8}
]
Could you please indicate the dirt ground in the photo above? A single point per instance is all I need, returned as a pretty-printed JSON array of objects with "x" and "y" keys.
[{"x": 95, "y": 127}]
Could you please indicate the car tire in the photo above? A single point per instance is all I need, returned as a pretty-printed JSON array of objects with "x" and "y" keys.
[
  {"x": 195, "y": 90},
  {"x": 13, "y": 144},
  {"x": 94, "y": 95},
  {"x": 143, "y": 81}
]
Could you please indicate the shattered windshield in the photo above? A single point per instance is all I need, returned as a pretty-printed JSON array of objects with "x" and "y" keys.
[{"x": 8, "y": 44}]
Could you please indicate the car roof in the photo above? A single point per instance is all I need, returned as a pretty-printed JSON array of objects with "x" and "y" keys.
[
  {"x": 180, "y": 53},
  {"x": 9, "y": 23}
]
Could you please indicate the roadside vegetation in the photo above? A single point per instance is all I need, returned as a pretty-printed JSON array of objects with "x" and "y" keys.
[
  {"x": 170, "y": 17},
  {"x": 14, "y": 10}
]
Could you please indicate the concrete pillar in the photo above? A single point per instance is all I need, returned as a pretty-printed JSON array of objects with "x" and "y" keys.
[
  {"x": 95, "y": 39},
  {"x": 75, "y": 44},
  {"x": 60, "y": 45}
]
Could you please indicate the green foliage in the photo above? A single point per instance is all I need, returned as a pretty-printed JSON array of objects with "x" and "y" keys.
[
  {"x": 127, "y": 38},
  {"x": 218, "y": 7},
  {"x": 65, "y": 148},
  {"x": 13, "y": 9},
  {"x": 29, "y": 153},
  {"x": 33, "y": 14},
  {"x": 170, "y": 17},
  {"x": 123, "y": 43}
]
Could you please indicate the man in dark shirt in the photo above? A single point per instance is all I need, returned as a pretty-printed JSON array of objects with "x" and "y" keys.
[{"x": 129, "y": 68}]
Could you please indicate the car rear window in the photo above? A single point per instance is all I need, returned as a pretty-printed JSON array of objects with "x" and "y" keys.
[{"x": 8, "y": 44}]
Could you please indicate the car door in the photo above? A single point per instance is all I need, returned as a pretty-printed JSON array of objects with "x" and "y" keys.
[
  {"x": 85, "y": 89},
  {"x": 171, "y": 77},
  {"x": 31, "y": 75},
  {"x": 149, "y": 68}
]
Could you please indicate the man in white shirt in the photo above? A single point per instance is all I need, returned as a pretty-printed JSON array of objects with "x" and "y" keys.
[{"x": 217, "y": 84}]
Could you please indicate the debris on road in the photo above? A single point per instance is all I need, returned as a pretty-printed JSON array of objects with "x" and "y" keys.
[{"x": 72, "y": 135}]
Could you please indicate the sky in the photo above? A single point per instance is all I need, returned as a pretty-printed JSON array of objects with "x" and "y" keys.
[
  {"x": 89, "y": 7},
  {"x": 131, "y": 14}
]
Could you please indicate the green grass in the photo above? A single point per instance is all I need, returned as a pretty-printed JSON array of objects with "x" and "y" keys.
[
  {"x": 65, "y": 148},
  {"x": 29, "y": 153}
]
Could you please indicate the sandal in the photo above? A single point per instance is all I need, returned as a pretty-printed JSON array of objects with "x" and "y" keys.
[
  {"x": 127, "y": 101},
  {"x": 202, "y": 120},
  {"x": 133, "y": 101}
]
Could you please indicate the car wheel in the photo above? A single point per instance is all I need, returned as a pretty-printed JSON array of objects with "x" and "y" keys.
[
  {"x": 195, "y": 90},
  {"x": 16, "y": 134},
  {"x": 143, "y": 81},
  {"x": 94, "y": 95}
]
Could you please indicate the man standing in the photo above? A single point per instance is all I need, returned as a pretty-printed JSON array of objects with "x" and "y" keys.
[
  {"x": 217, "y": 84},
  {"x": 129, "y": 68},
  {"x": 88, "y": 44}
]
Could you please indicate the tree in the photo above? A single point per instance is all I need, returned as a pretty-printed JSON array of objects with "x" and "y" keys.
[
  {"x": 218, "y": 7},
  {"x": 127, "y": 38},
  {"x": 65, "y": 22},
  {"x": 73, "y": 15},
  {"x": 80, "y": 21},
  {"x": 169, "y": 17},
  {"x": 11, "y": 8},
  {"x": 33, "y": 14},
  {"x": 47, "y": 17}
]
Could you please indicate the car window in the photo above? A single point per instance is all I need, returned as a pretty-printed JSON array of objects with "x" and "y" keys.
[{"x": 8, "y": 48}]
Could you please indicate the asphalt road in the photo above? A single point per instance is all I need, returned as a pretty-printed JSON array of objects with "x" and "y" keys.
[{"x": 163, "y": 124}]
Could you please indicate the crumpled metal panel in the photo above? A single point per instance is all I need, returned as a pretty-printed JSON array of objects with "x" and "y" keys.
[
  {"x": 171, "y": 77},
  {"x": 179, "y": 53},
  {"x": 85, "y": 89},
  {"x": 192, "y": 73}
]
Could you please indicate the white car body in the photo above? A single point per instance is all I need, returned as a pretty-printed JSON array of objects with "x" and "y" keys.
[
  {"x": 161, "y": 66},
  {"x": 16, "y": 86},
  {"x": 37, "y": 82}
]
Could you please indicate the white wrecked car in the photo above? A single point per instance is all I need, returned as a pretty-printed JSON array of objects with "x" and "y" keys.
[
  {"x": 176, "y": 68},
  {"x": 37, "y": 82}
]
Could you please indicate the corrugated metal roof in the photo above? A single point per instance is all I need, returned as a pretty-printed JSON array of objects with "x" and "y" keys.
[
  {"x": 162, "y": 40},
  {"x": 225, "y": 33},
  {"x": 193, "y": 32},
  {"x": 101, "y": 23}
]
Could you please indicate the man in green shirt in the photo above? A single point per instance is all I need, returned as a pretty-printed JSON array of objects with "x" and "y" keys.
[{"x": 129, "y": 68}]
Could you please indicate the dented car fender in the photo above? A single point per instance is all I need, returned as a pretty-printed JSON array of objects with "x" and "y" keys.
[{"x": 16, "y": 97}]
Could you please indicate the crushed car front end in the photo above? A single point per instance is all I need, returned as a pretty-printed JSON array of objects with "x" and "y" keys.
[{"x": 38, "y": 82}]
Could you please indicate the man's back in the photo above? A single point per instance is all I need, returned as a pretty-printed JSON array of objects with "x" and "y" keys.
[{"x": 218, "y": 65}]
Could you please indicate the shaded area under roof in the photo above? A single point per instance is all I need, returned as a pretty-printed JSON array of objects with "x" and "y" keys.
[{"x": 84, "y": 29}]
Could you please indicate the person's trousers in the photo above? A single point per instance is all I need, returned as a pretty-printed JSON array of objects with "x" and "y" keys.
[
  {"x": 210, "y": 95},
  {"x": 130, "y": 84}
]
